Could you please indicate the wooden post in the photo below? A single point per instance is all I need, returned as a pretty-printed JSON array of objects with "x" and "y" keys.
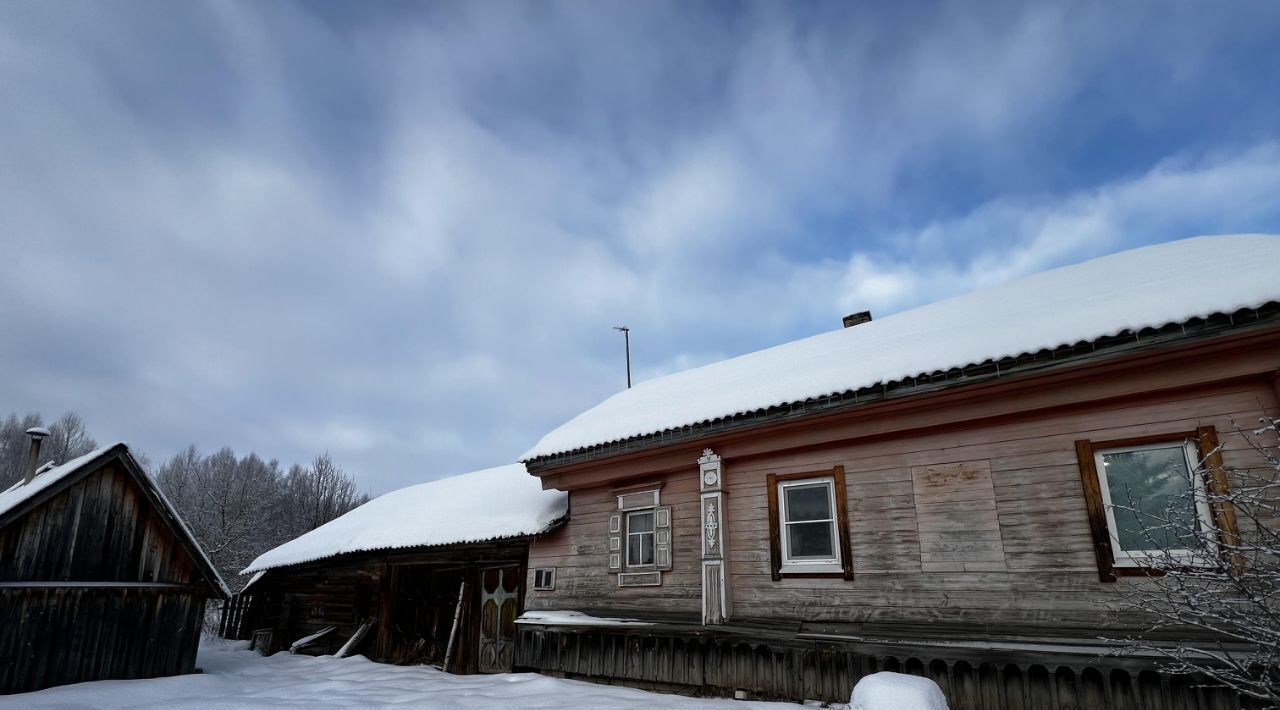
[
  {"x": 453, "y": 632},
  {"x": 716, "y": 596}
]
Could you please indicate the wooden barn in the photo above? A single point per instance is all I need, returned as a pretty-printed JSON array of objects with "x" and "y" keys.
[
  {"x": 99, "y": 577},
  {"x": 925, "y": 493},
  {"x": 430, "y": 574}
]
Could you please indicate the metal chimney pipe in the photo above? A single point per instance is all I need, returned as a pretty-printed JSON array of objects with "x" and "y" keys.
[{"x": 37, "y": 434}]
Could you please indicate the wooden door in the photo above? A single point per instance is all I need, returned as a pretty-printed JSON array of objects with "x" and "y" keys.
[{"x": 499, "y": 606}]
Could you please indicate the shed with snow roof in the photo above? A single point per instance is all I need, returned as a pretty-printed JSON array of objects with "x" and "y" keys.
[
  {"x": 434, "y": 573},
  {"x": 99, "y": 576}
]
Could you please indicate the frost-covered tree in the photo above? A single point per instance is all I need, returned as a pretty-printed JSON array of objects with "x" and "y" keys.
[
  {"x": 239, "y": 508},
  {"x": 14, "y": 446},
  {"x": 230, "y": 503},
  {"x": 68, "y": 438},
  {"x": 1215, "y": 586},
  {"x": 316, "y": 495}
]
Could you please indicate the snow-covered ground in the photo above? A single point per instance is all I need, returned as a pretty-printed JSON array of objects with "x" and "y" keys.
[{"x": 236, "y": 679}]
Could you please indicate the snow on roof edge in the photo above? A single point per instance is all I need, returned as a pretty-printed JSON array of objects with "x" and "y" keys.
[
  {"x": 257, "y": 570},
  {"x": 499, "y": 503},
  {"x": 21, "y": 492},
  {"x": 547, "y": 447}
]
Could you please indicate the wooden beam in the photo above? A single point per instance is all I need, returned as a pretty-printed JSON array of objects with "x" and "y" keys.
[
  {"x": 1224, "y": 513},
  {"x": 1097, "y": 511}
]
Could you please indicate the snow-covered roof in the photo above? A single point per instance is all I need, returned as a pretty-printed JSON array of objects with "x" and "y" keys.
[
  {"x": 20, "y": 493},
  {"x": 1148, "y": 287},
  {"x": 501, "y": 502}
]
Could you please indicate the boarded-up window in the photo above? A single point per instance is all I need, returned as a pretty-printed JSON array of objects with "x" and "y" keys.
[{"x": 957, "y": 519}]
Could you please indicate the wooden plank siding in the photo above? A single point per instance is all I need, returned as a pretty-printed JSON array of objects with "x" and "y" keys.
[
  {"x": 95, "y": 585},
  {"x": 99, "y": 529},
  {"x": 1010, "y": 548},
  {"x": 580, "y": 554}
]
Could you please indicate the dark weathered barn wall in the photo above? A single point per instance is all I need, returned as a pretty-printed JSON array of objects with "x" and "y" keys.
[
  {"x": 55, "y": 636},
  {"x": 412, "y": 594},
  {"x": 94, "y": 584},
  {"x": 724, "y": 662},
  {"x": 101, "y": 528}
]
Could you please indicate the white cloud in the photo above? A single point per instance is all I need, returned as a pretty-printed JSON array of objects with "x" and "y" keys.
[
  {"x": 407, "y": 237},
  {"x": 1228, "y": 192}
]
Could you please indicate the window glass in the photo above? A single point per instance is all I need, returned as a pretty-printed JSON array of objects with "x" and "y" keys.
[
  {"x": 808, "y": 522},
  {"x": 811, "y": 502},
  {"x": 640, "y": 538},
  {"x": 810, "y": 541},
  {"x": 1143, "y": 484}
]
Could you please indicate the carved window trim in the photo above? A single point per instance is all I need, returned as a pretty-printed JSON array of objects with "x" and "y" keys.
[{"x": 632, "y": 501}]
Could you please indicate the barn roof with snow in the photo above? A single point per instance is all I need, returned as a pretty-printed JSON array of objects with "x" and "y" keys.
[
  {"x": 495, "y": 503},
  {"x": 1115, "y": 297},
  {"x": 22, "y": 497}
]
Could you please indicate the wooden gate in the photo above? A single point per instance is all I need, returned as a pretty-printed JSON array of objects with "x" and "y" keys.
[{"x": 499, "y": 606}]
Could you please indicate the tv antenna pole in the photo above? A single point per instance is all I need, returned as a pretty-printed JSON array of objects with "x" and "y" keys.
[{"x": 626, "y": 334}]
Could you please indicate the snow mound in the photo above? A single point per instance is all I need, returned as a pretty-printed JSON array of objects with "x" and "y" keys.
[
  {"x": 1148, "y": 287},
  {"x": 896, "y": 691},
  {"x": 495, "y": 503}
]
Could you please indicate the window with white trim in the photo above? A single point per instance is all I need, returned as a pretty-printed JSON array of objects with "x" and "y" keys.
[
  {"x": 640, "y": 539},
  {"x": 639, "y": 548},
  {"x": 1148, "y": 492},
  {"x": 544, "y": 578},
  {"x": 808, "y": 526}
]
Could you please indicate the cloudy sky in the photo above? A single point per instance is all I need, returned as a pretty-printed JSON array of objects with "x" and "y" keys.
[{"x": 401, "y": 232}]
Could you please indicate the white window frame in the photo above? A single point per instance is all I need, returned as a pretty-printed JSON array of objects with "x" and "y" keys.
[
  {"x": 653, "y": 540},
  {"x": 810, "y": 566},
  {"x": 1144, "y": 558},
  {"x": 550, "y": 573}
]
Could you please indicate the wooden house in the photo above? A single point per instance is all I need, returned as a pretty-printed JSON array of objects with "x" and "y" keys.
[
  {"x": 432, "y": 574},
  {"x": 919, "y": 493},
  {"x": 99, "y": 576}
]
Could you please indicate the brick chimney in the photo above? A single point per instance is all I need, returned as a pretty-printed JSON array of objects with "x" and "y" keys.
[
  {"x": 857, "y": 318},
  {"x": 37, "y": 435}
]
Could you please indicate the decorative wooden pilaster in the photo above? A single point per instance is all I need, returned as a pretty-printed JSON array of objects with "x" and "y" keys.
[{"x": 716, "y": 597}]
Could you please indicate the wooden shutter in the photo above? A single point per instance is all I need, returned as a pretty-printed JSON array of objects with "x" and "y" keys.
[
  {"x": 615, "y": 542},
  {"x": 662, "y": 537}
]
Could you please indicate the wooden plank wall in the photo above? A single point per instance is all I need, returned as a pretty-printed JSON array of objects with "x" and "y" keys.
[
  {"x": 96, "y": 534},
  {"x": 1038, "y": 570},
  {"x": 102, "y": 528},
  {"x": 718, "y": 666},
  {"x": 579, "y": 552},
  {"x": 57, "y": 636}
]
